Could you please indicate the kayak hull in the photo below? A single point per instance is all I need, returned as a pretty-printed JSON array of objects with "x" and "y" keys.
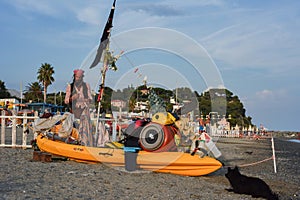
[{"x": 165, "y": 162}]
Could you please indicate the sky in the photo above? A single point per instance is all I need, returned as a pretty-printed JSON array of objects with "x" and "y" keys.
[{"x": 249, "y": 47}]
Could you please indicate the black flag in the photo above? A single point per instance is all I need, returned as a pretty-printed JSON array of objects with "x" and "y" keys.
[{"x": 105, "y": 37}]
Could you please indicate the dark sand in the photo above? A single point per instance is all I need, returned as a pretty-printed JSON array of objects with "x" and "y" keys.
[{"x": 22, "y": 178}]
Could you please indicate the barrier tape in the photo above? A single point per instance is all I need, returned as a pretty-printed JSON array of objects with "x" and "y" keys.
[{"x": 254, "y": 163}]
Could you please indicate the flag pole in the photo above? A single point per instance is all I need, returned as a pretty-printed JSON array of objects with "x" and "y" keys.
[
  {"x": 102, "y": 85},
  {"x": 103, "y": 47},
  {"x": 106, "y": 65}
]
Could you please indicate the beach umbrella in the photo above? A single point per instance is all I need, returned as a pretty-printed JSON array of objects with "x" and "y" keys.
[{"x": 250, "y": 128}]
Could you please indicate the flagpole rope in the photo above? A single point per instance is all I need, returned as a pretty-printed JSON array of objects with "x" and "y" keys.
[{"x": 126, "y": 57}]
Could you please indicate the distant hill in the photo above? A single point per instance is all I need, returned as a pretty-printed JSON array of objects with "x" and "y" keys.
[{"x": 15, "y": 93}]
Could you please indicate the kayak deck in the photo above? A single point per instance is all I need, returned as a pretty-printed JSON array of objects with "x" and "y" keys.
[{"x": 166, "y": 162}]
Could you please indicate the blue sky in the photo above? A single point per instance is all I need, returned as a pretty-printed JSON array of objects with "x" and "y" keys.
[{"x": 253, "y": 44}]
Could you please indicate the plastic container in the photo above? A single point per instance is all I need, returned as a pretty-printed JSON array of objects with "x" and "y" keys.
[{"x": 212, "y": 147}]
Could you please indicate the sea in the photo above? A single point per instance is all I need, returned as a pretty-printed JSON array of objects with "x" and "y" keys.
[{"x": 294, "y": 140}]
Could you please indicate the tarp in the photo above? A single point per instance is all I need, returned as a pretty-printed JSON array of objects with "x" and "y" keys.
[{"x": 45, "y": 124}]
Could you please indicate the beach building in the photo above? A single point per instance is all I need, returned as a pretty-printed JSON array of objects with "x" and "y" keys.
[{"x": 9, "y": 103}]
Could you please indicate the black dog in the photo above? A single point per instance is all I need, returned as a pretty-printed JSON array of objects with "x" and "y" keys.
[{"x": 242, "y": 184}]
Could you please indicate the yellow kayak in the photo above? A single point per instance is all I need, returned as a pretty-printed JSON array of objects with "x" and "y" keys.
[{"x": 166, "y": 162}]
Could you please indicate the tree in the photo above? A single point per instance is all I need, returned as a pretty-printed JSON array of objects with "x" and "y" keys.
[
  {"x": 234, "y": 107},
  {"x": 33, "y": 92},
  {"x": 45, "y": 76},
  {"x": 106, "y": 100},
  {"x": 3, "y": 91}
]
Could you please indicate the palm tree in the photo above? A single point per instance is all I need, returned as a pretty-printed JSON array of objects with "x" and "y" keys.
[
  {"x": 33, "y": 91},
  {"x": 3, "y": 91},
  {"x": 45, "y": 77}
]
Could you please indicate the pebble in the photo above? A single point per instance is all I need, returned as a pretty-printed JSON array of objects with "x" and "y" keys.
[{"x": 22, "y": 178}]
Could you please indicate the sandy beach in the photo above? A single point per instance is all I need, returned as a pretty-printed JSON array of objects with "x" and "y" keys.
[{"x": 22, "y": 178}]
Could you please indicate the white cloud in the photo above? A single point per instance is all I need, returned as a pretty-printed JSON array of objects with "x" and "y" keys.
[
  {"x": 265, "y": 94},
  {"x": 89, "y": 15},
  {"x": 192, "y": 4},
  {"x": 257, "y": 41},
  {"x": 275, "y": 109},
  {"x": 266, "y": 40},
  {"x": 42, "y": 7},
  {"x": 277, "y": 95}
]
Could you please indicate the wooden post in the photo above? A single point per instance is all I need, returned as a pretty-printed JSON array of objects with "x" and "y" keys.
[
  {"x": 14, "y": 132},
  {"x": 35, "y": 133},
  {"x": 120, "y": 132},
  {"x": 24, "y": 130},
  {"x": 274, "y": 158},
  {"x": 3, "y": 128},
  {"x": 114, "y": 129}
]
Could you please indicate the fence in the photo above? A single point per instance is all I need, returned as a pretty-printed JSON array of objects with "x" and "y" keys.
[
  {"x": 21, "y": 122},
  {"x": 16, "y": 123}
]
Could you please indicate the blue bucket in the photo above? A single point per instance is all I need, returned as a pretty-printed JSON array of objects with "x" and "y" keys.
[{"x": 130, "y": 158}]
